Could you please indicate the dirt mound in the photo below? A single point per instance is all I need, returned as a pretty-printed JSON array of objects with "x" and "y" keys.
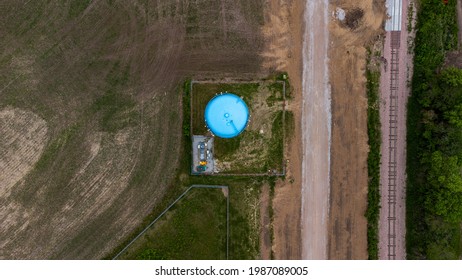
[{"x": 353, "y": 18}]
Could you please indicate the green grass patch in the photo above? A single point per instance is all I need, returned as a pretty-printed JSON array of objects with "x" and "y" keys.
[
  {"x": 226, "y": 147},
  {"x": 195, "y": 228},
  {"x": 276, "y": 149},
  {"x": 289, "y": 125}
]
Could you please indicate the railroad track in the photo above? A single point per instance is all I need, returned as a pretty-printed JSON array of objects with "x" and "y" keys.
[{"x": 392, "y": 139}]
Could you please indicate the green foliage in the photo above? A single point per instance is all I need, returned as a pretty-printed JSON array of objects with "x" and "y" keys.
[
  {"x": 434, "y": 187},
  {"x": 445, "y": 179},
  {"x": 452, "y": 76},
  {"x": 454, "y": 116},
  {"x": 276, "y": 89},
  {"x": 443, "y": 243},
  {"x": 410, "y": 13},
  {"x": 289, "y": 125},
  {"x": 373, "y": 162}
]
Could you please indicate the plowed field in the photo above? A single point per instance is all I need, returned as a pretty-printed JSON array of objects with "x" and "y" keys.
[{"x": 90, "y": 111}]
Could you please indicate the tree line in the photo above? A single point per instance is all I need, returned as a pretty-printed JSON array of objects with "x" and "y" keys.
[{"x": 434, "y": 163}]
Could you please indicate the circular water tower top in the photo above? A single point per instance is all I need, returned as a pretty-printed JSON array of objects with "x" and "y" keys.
[{"x": 226, "y": 115}]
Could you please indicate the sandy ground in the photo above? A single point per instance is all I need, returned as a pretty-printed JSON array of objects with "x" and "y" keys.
[
  {"x": 283, "y": 53},
  {"x": 399, "y": 225},
  {"x": 316, "y": 126},
  {"x": 347, "y": 227}
]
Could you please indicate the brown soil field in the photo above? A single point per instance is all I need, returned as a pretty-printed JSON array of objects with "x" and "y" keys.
[
  {"x": 348, "y": 197},
  {"x": 94, "y": 89}
]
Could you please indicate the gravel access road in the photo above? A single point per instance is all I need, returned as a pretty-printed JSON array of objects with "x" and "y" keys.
[{"x": 316, "y": 131}]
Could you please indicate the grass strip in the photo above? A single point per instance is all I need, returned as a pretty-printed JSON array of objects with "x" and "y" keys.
[{"x": 373, "y": 160}]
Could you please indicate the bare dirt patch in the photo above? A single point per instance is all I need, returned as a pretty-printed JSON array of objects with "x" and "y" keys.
[
  {"x": 353, "y": 18},
  {"x": 23, "y": 136},
  {"x": 454, "y": 59},
  {"x": 278, "y": 38},
  {"x": 99, "y": 181},
  {"x": 348, "y": 198}
]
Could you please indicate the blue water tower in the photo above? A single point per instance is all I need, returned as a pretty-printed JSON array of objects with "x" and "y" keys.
[{"x": 226, "y": 115}]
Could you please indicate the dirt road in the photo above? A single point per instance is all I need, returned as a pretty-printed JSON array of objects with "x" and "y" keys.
[
  {"x": 393, "y": 94},
  {"x": 315, "y": 131}
]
